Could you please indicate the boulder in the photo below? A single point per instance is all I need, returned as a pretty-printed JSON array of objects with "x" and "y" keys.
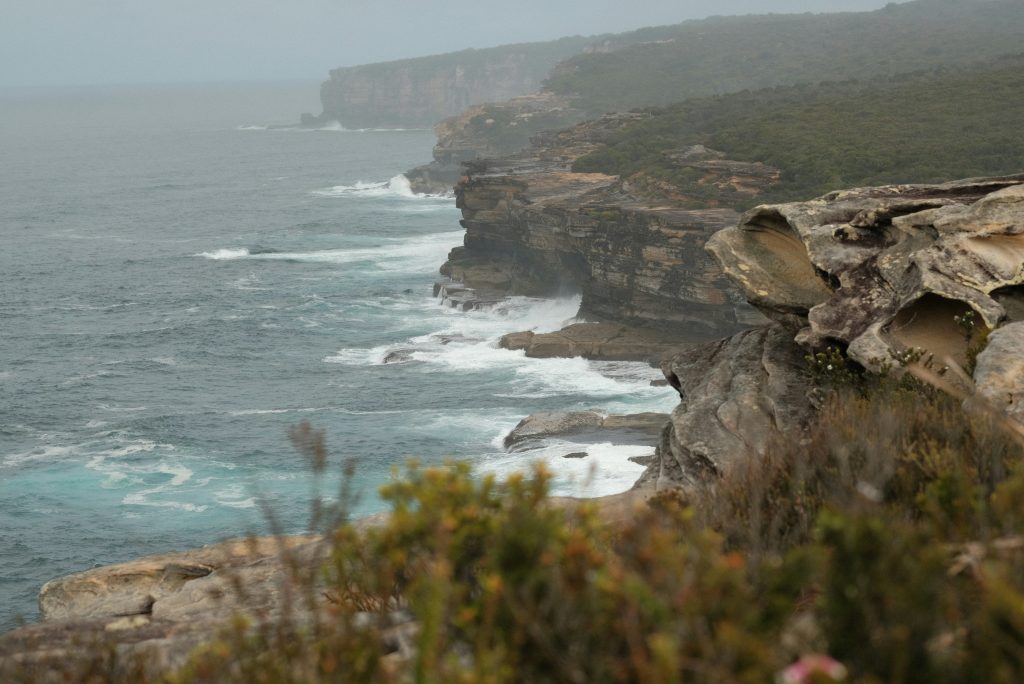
[{"x": 398, "y": 356}]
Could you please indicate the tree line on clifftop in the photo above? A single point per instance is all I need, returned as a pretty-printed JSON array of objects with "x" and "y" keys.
[{"x": 921, "y": 127}]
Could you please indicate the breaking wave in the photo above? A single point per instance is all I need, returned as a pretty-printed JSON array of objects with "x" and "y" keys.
[{"x": 397, "y": 186}]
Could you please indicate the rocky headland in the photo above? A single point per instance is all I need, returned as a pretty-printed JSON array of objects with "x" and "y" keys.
[
  {"x": 633, "y": 250},
  {"x": 892, "y": 277},
  {"x": 933, "y": 274},
  {"x": 418, "y": 92}
]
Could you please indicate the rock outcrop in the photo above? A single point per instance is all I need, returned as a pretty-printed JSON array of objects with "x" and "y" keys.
[
  {"x": 419, "y": 92},
  {"x": 156, "y": 610},
  {"x": 1000, "y": 370},
  {"x": 887, "y": 274},
  {"x": 489, "y": 130},
  {"x": 734, "y": 395},
  {"x": 636, "y": 428},
  {"x": 600, "y": 341},
  {"x": 637, "y": 256},
  {"x": 880, "y": 271}
]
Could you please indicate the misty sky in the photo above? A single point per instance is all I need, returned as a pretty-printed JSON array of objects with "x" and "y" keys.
[{"x": 78, "y": 42}]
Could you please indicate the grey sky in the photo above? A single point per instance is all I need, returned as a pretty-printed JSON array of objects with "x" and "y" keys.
[{"x": 73, "y": 42}]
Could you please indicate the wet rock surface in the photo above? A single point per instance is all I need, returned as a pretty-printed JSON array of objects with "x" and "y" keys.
[{"x": 637, "y": 428}]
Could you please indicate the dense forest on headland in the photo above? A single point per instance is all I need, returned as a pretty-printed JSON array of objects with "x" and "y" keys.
[
  {"x": 920, "y": 127},
  {"x": 730, "y": 54},
  {"x": 661, "y": 67}
]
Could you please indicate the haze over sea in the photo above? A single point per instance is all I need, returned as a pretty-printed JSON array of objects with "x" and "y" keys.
[{"x": 179, "y": 283}]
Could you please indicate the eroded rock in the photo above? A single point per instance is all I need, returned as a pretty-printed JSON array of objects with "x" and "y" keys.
[
  {"x": 631, "y": 249},
  {"x": 735, "y": 395},
  {"x": 883, "y": 270},
  {"x": 133, "y": 588},
  {"x": 1000, "y": 370},
  {"x": 599, "y": 341}
]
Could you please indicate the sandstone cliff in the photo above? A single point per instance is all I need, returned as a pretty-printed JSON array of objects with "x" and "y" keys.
[
  {"x": 634, "y": 253},
  {"x": 886, "y": 274},
  {"x": 420, "y": 92}
]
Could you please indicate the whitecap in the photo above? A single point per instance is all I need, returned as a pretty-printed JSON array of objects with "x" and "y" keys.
[
  {"x": 359, "y": 357},
  {"x": 43, "y": 453},
  {"x": 180, "y": 475},
  {"x": 398, "y": 186},
  {"x": 233, "y": 496},
  {"x": 606, "y": 470},
  {"x": 415, "y": 255},
  {"x": 270, "y": 412},
  {"x": 225, "y": 254}
]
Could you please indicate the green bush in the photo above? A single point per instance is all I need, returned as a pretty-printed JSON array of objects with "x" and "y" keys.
[{"x": 924, "y": 127}]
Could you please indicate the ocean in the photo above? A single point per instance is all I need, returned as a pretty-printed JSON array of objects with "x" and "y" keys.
[{"x": 181, "y": 281}]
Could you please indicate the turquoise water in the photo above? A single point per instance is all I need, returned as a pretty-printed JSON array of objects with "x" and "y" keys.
[{"x": 181, "y": 283}]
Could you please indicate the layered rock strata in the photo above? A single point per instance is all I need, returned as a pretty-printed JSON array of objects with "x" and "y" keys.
[
  {"x": 600, "y": 341},
  {"x": 931, "y": 273},
  {"x": 535, "y": 227},
  {"x": 420, "y": 92},
  {"x": 879, "y": 271}
]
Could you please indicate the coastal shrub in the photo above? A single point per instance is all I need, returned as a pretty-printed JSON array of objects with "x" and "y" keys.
[
  {"x": 507, "y": 586},
  {"x": 886, "y": 538},
  {"x": 883, "y": 545},
  {"x": 890, "y": 443}
]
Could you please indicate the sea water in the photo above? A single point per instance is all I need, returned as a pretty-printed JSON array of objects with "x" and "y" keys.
[{"x": 181, "y": 281}]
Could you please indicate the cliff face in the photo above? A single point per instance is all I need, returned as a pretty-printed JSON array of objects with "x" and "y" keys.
[
  {"x": 420, "y": 92},
  {"x": 888, "y": 274},
  {"x": 534, "y": 227}
]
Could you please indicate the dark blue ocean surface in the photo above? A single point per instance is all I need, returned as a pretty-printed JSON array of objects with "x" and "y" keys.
[{"x": 179, "y": 284}]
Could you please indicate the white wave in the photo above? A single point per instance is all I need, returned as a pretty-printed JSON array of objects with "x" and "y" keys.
[
  {"x": 398, "y": 186},
  {"x": 122, "y": 409},
  {"x": 270, "y": 412},
  {"x": 359, "y": 357},
  {"x": 606, "y": 469},
  {"x": 121, "y": 474},
  {"x": 45, "y": 453},
  {"x": 468, "y": 342},
  {"x": 225, "y": 254},
  {"x": 333, "y": 126},
  {"x": 412, "y": 255},
  {"x": 233, "y": 496}
]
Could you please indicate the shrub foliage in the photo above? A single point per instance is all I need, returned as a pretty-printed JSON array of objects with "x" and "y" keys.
[{"x": 885, "y": 538}]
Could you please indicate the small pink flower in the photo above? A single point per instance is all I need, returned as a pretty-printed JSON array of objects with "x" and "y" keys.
[{"x": 804, "y": 670}]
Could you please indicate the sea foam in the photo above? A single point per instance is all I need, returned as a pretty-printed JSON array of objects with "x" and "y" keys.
[{"x": 398, "y": 186}]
